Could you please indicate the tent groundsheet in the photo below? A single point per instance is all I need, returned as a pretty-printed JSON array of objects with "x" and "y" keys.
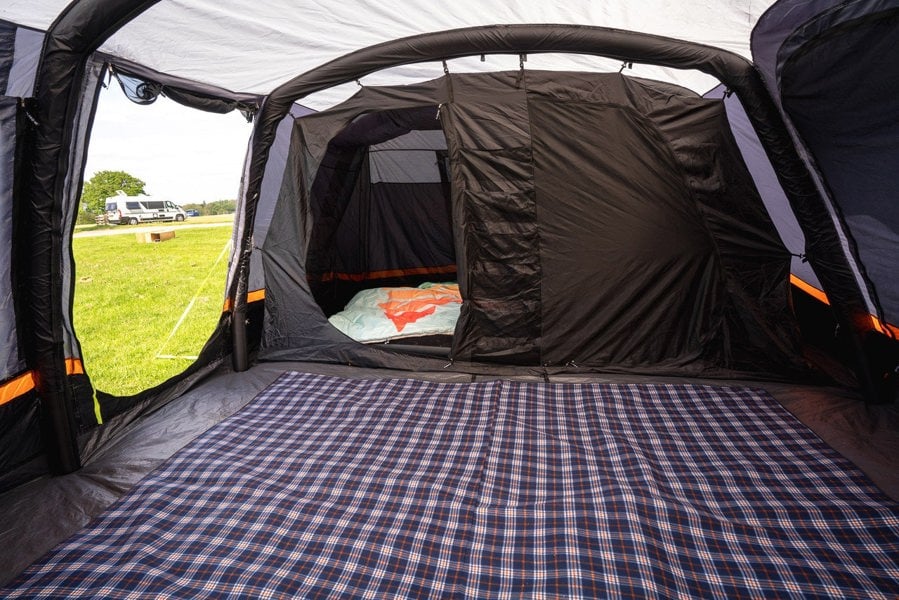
[{"x": 403, "y": 487}]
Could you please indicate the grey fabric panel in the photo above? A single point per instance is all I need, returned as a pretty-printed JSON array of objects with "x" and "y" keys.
[
  {"x": 271, "y": 187},
  {"x": 432, "y": 139},
  {"x": 409, "y": 158},
  {"x": 838, "y": 83},
  {"x": 768, "y": 186},
  {"x": 404, "y": 166},
  {"x": 72, "y": 196},
  {"x": 7, "y": 51},
  {"x": 774, "y": 26},
  {"x": 10, "y": 362},
  {"x": 27, "y": 54}
]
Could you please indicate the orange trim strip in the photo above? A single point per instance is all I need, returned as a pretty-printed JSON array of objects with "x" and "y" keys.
[
  {"x": 16, "y": 387},
  {"x": 885, "y": 328},
  {"x": 24, "y": 383},
  {"x": 444, "y": 270},
  {"x": 254, "y": 296},
  {"x": 809, "y": 289},
  {"x": 74, "y": 366},
  {"x": 876, "y": 324}
]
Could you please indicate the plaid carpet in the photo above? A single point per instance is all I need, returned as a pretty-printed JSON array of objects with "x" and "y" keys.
[{"x": 327, "y": 487}]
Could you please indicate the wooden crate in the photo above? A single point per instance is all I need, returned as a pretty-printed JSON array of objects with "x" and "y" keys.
[{"x": 156, "y": 235}]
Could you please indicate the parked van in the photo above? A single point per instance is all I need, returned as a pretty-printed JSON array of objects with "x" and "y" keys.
[{"x": 122, "y": 209}]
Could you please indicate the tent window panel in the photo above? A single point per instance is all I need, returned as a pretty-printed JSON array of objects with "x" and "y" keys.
[{"x": 414, "y": 166}]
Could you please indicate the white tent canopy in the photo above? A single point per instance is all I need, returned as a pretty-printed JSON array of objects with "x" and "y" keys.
[{"x": 252, "y": 47}]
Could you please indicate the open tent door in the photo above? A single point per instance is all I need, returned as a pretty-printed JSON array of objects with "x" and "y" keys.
[{"x": 380, "y": 204}]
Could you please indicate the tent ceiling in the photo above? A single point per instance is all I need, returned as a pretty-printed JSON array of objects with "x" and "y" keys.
[{"x": 254, "y": 46}]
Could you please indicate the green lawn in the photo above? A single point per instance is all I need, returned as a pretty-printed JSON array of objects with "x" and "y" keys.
[{"x": 142, "y": 310}]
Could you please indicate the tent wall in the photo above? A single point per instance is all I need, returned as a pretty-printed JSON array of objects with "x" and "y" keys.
[
  {"x": 20, "y": 410},
  {"x": 831, "y": 70},
  {"x": 765, "y": 179},
  {"x": 271, "y": 187},
  {"x": 59, "y": 118},
  {"x": 380, "y": 206},
  {"x": 20, "y": 426},
  {"x": 623, "y": 210},
  {"x": 11, "y": 362},
  {"x": 21, "y": 48},
  {"x": 20, "y": 436},
  {"x": 838, "y": 82}
]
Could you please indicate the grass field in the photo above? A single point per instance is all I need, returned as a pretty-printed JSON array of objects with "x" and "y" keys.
[{"x": 141, "y": 311}]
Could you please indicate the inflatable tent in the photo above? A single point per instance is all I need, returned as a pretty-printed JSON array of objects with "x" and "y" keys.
[{"x": 629, "y": 197}]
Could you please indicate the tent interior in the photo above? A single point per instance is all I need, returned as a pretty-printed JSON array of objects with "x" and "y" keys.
[
  {"x": 480, "y": 178},
  {"x": 592, "y": 309}
]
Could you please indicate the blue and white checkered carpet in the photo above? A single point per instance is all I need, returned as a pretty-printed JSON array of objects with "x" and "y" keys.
[{"x": 328, "y": 487}]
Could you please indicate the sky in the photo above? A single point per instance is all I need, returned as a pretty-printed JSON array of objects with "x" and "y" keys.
[{"x": 181, "y": 154}]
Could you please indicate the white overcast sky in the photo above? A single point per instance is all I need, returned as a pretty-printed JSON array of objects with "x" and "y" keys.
[{"x": 182, "y": 154}]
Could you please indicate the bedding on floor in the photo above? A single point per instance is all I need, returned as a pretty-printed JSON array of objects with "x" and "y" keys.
[
  {"x": 329, "y": 487},
  {"x": 390, "y": 313}
]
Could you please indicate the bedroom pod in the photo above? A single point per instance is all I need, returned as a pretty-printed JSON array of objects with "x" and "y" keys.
[{"x": 591, "y": 220}]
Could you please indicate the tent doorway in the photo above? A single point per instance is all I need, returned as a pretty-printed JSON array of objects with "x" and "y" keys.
[
  {"x": 146, "y": 297},
  {"x": 381, "y": 262}
]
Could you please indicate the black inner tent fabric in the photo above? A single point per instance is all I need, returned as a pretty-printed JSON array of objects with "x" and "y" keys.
[
  {"x": 610, "y": 221},
  {"x": 597, "y": 221}
]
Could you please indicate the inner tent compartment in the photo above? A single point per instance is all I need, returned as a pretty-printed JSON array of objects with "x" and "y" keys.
[
  {"x": 590, "y": 219},
  {"x": 380, "y": 203}
]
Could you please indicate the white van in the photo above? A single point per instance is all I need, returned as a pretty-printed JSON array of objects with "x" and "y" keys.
[{"x": 122, "y": 209}]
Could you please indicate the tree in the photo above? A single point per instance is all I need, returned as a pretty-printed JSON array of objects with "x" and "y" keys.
[{"x": 105, "y": 184}]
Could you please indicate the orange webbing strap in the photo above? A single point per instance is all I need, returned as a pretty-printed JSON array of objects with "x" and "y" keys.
[
  {"x": 24, "y": 383},
  {"x": 254, "y": 296},
  {"x": 392, "y": 273},
  {"x": 15, "y": 387},
  {"x": 876, "y": 324}
]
